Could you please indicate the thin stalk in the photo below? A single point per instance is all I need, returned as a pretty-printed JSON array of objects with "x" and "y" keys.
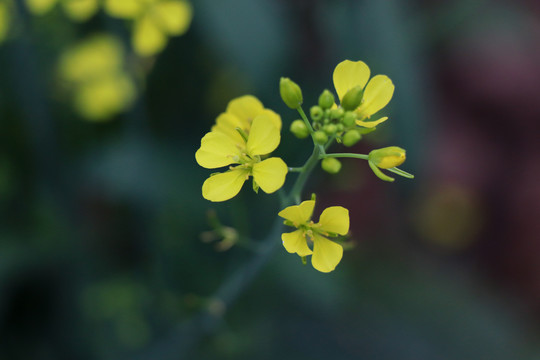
[
  {"x": 308, "y": 167},
  {"x": 345, "y": 155}
]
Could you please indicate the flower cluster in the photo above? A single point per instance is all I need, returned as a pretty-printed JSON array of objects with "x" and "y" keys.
[
  {"x": 153, "y": 21},
  {"x": 93, "y": 71},
  {"x": 79, "y": 10},
  {"x": 246, "y": 132},
  {"x": 240, "y": 139}
]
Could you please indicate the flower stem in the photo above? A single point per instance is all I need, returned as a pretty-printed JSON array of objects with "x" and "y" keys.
[
  {"x": 344, "y": 155},
  {"x": 308, "y": 167},
  {"x": 306, "y": 121}
]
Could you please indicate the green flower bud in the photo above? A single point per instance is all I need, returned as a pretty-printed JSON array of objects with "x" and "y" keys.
[
  {"x": 351, "y": 137},
  {"x": 349, "y": 119},
  {"x": 330, "y": 129},
  {"x": 327, "y": 113},
  {"x": 387, "y": 157},
  {"x": 320, "y": 137},
  {"x": 326, "y": 100},
  {"x": 290, "y": 93},
  {"x": 353, "y": 98},
  {"x": 340, "y": 128},
  {"x": 331, "y": 165},
  {"x": 336, "y": 113},
  {"x": 299, "y": 129},
  {"x": 316, "y": 113}
]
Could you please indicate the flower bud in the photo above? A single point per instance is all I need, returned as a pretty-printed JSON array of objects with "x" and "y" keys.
[
  {"x": 320, "y": 137},
  {"x": 336, "y": 113},
  {"x": 331, "y": 165},
  {"x": 290, "y": 93},
  {"x": 349, "y": 119},
  {"x": 326, "y": 100},
  {"x": 316, "y": 113},
  {"x": 299, "y": 129},
  {"x": 351, "y": 137},
  {"x": 353, "y": 98},
  {"x": 330, "y": 129},
  {"x": 387, "y": 157}
]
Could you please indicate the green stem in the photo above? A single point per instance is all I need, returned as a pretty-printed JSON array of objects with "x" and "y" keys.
[
  {"x": 306, "y": 121},
  {"x": 308, "y": 167},
  {"x": 296, "y": 169},
  {"x": 345, "y": 155}
]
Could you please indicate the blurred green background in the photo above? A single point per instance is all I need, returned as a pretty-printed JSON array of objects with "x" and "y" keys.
[{"x": 100, "y": 249}]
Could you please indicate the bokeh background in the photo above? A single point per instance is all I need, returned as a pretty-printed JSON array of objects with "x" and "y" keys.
[{"x": 101, "y": 219}]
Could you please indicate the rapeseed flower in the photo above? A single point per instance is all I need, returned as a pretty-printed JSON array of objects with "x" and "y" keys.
[
  {"x": 77, "y": 10},
  {"x": 219, "y": 149},
  {"x": 376, "y": 94},
  {"x": 387, "y": 158},
  {"x": 240, "y": 113},
  {"x": 94, "y": 72},
  {"x": 154, "y": 21},
  {"x": 334, "y": 221}
]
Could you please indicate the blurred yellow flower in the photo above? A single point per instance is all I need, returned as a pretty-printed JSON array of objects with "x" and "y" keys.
[
  {"x": 240, "y": 114},
  {"x": 218, "y": 150},
  {"x": 154, "y": 21},
  {"x": 333, "y": 221},
  {"x": 77, "y": 10},
  {"x": 376, "y": 94},
  {"x": 94, "y": 71},
  {"x": 4, "y": 20}
]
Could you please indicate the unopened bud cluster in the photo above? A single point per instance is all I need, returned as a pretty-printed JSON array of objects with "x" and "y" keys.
[{"x": 332, "y": 121}]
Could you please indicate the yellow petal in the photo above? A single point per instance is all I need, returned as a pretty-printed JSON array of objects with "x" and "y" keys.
[
  {"x": 124, "y": 9},
  {"x": 377, "y": 95},
  {"x": 326, "y": 254},
  {"x": 371, "y": 124},
  {"x": 245, "y": 108},
  {"x": 270, "y": 174},
  {"x": 80, "y": 10},
  {"x": 227, "y": 123},
  {"x": 93, "y": 58},
  {"x": 276, "y": 119},
  {"x": 217, "y": 150},
  {"x": 148, "y": 38},
  {"x": 298, "y": 214},
  {"x": 173, "y": 16},
  {"x": 335, "y": 219},
  {"x": 104, "y": 97},
  {"x": 224, "y": 186},
  {"x": 295, "y": 242},
  {"x": 263, "y": 137},
  {"x": 4, "y": 21},
  {"x": 40, "y": 7},
  {"x": 349, "y": 74}
]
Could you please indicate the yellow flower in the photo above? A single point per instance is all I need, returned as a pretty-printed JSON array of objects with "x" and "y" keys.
[
  {"x": 387, "y": 157},
  {"x": 240, "y": 114},
  {"x": 377, "y": 93},
  {"x": 77, "y": 10},
  {"x": 94, "y": 71},
  {"x": 5, "y": 18},
  {"x": 154, "y": 21},
  {"x": 333, "y": 221},
  {"x": 218, "y": 150}
]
